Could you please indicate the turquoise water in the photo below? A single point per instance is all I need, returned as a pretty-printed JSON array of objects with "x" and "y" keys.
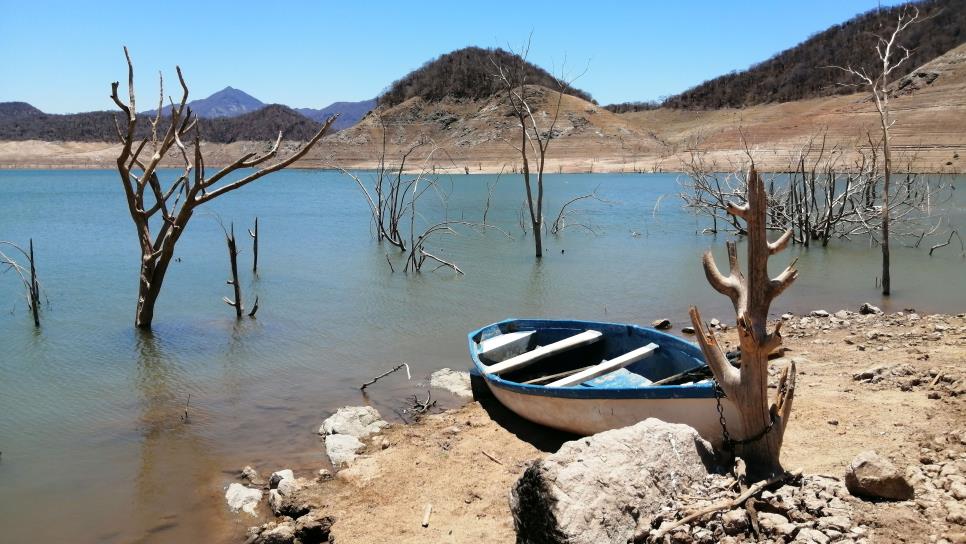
[{"x": 93, "y": 446}]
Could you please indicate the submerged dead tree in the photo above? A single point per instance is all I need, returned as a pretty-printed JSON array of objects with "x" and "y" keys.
[
  {"x": 27, "y": 274},
  {"x": 168, "y": 207},
  {"x": 762, "y": 423}
]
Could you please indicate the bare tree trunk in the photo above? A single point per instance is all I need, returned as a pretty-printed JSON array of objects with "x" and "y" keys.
[
  {"x": 887, "y": 167},
  {"x": 762, "y": 424},
  {"x": 233, "y": 255},
  {"x": 34, "y": 287},
  {"x": 254, "y": 234}
]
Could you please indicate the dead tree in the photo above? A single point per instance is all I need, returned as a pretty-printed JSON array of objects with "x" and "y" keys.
[
  {"x": 762, "y": 424},
  {"x": 175, "y": 202},
  {"x": 254, "y": 234},
  {"x": 881, "y": 90},
  {"x": 535, "y": 137},
  {"x": 28, "y": 275}
]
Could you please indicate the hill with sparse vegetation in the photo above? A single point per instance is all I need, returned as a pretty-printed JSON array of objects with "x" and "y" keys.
[{"x": 468, "y": 73}]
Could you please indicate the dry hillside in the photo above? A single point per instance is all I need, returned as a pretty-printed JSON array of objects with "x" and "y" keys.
[{"x": 472, "y": 135}]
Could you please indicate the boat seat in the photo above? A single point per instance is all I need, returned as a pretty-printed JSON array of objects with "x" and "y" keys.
[
  {"x": 606, "y": 367},
  {"x": 504, "y": 346},
  {"x": 542, "y": 352}
]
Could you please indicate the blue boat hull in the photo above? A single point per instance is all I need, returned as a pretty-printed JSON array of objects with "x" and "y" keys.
[{"x": 603, "y": 404}]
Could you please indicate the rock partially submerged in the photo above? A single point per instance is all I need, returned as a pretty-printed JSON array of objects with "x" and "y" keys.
[
  {"x": 342, "y": 449},
  {"x": 661, "y": 324},
  {"x": 868, "y": 309},
  {"x": 293, "y": 497},
  {"x": 357, "y": 421},
  {"x": 279, "y": 475},
  {"x": 453, "y": 381},
  {"x": 873, "y": 476},
  {"x": 240, "y": 497},
  {"x": 593, "y": 490}
]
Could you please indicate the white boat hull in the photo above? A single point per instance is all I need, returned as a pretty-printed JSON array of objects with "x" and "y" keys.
[{"x": 584, "y": 416}]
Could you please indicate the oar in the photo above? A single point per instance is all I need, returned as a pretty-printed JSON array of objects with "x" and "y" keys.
[
  {"x": 686, "y": 373},
  {"x": 538, "y": 381}
]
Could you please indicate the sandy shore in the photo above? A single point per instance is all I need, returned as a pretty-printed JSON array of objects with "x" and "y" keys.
[{"x": 464, "y": 461}]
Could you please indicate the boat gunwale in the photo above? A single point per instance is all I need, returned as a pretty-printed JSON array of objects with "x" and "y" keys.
[{"x": 662, "y": 392}]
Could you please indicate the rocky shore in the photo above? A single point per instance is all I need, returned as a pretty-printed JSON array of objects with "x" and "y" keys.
[{"x": 878, "y": 434}]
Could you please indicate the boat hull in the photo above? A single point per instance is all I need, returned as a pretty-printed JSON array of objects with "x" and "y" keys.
[{"x": 590, "y": 410}]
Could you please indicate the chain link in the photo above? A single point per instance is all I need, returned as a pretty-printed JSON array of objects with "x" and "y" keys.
[{"x": 728, "y": 441}]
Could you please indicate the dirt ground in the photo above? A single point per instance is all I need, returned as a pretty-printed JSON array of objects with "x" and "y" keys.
[{"x": 464, "y": 461}]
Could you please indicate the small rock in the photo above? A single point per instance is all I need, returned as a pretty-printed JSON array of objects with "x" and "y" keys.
[
  {"x": 243, "y": 498},
  {"x": 276, "y": 533},
  {"x": 715, "y": 322},
  {"x": 249, "y": 473},
  {"x": 687, "y": 330},
  {"x": 869, "y": 373},
  {"x": 278, "y": 476},
  {"x": 868, "y": 309},
  {"x": 357, "y": 421},
  {"x": 819, "y": 313},
  {"x": 807, "y": 535},
  {"x": 786, "y": 317},
  {"x": 453, "y": 381},
  {"x": 735, "y": 521},
  {"x": 661, "y": 324},
  {"x": 313, "y": 528},
  {"x": 342, "y": 448},
  {"x": 870, "y": 475},
  {"x": 833, "y": 422},
  {"x": 842, "y": 314},
  {"x": 324, "y": 475}
]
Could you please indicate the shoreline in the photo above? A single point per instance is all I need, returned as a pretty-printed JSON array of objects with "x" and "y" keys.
[{"x": 464, "y": 460}]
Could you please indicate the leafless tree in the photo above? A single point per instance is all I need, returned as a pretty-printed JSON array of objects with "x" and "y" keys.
[
  {"x": 820, "y": 196},
  {"x": 535, "y": 135},
  {"x": 892, "y": 55},
  {"x": 762, "y": 424},
  {"x": 27, "y": 274},
  {"x": 177, "y": 200}
]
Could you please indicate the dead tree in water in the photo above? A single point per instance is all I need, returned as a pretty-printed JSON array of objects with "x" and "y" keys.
[
  {"x": 881, "y": 92},
  {"x": 254, "y": 234},
  {"x": 177, "y": 201},
  {"x": 535, "y": 137},
  {"x": 762, "y": 423},
  {"x": 28, "y": 275},
  {"x": 233, "y": 258}
]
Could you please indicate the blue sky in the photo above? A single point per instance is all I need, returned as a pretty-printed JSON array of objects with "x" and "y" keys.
[{"x": 62, "y": 56}]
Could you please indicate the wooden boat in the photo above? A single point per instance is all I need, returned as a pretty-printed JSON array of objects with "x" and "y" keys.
[{"x": 585, "y": 377}]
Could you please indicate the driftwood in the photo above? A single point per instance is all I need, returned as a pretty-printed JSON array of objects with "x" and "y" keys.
[
  {"x": 955, "y": 233},
  {"x": 762, "y": 424},
  {"x": 386, "y": 373},
  {"x": 428, "y": 511},
  {"x": 750, "y": 492}
]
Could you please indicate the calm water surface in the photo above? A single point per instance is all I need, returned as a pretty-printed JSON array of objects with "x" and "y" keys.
[{"x": 93, "y": 447}]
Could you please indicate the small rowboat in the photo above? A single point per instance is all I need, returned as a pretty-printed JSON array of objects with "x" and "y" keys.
[{"x": 585, "y": 377}]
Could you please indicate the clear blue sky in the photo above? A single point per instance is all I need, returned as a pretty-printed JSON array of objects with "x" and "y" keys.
[{"x": 62, "y": 56}]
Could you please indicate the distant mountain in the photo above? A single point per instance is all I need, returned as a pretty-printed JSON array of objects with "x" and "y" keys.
[
  {"x": 467, "y": 73},
  {"x": 98, "y": 126},
  {"x": 803, "y": 71},
  {"x": 10, "y": 110},
  {"x": 349, "y": 112},
  {"x": 227, "y": 102}
]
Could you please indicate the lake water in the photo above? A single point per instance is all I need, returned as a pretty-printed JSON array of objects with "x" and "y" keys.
[{"x": 93, "y": 446}]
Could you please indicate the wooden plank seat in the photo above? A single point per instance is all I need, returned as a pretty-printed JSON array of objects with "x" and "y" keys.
[
  {"x": 542, "y": 352},
  {"x": 504, "y": 346},
  {"x": 606, "y": 367}
]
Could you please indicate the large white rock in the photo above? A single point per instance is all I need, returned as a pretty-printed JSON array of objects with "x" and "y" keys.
[
  {"x": 342, "y": 448},
  {"x": 357, "y": 421},
  {"x": 279, "y": 475},
  {"x": 243, "y": 498},
  {"x": 594, "y": 489},
  {"x": 453, "y": 381}
]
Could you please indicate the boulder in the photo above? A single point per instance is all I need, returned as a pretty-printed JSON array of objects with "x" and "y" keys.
[
  {"x": 243, "y": 498},
  {"x": 870, "y": 475},
  {"x": 273, "y": 533},
  {"x": 342, "y": 449},
  {"x": 868, "y": 309},
  {"x": 661, "y": 324},
  {"x": 294, "y": 497},
  {"x": 595, "y": 489},
  {"x": 279, "y": 475},
  {"x": 357, "y": 421},
  {"x": 457, "y": 383},
  {"x": 313, "y": 528}
]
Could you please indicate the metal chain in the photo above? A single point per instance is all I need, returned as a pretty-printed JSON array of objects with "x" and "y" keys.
[{"x": 728, "y": 441}]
